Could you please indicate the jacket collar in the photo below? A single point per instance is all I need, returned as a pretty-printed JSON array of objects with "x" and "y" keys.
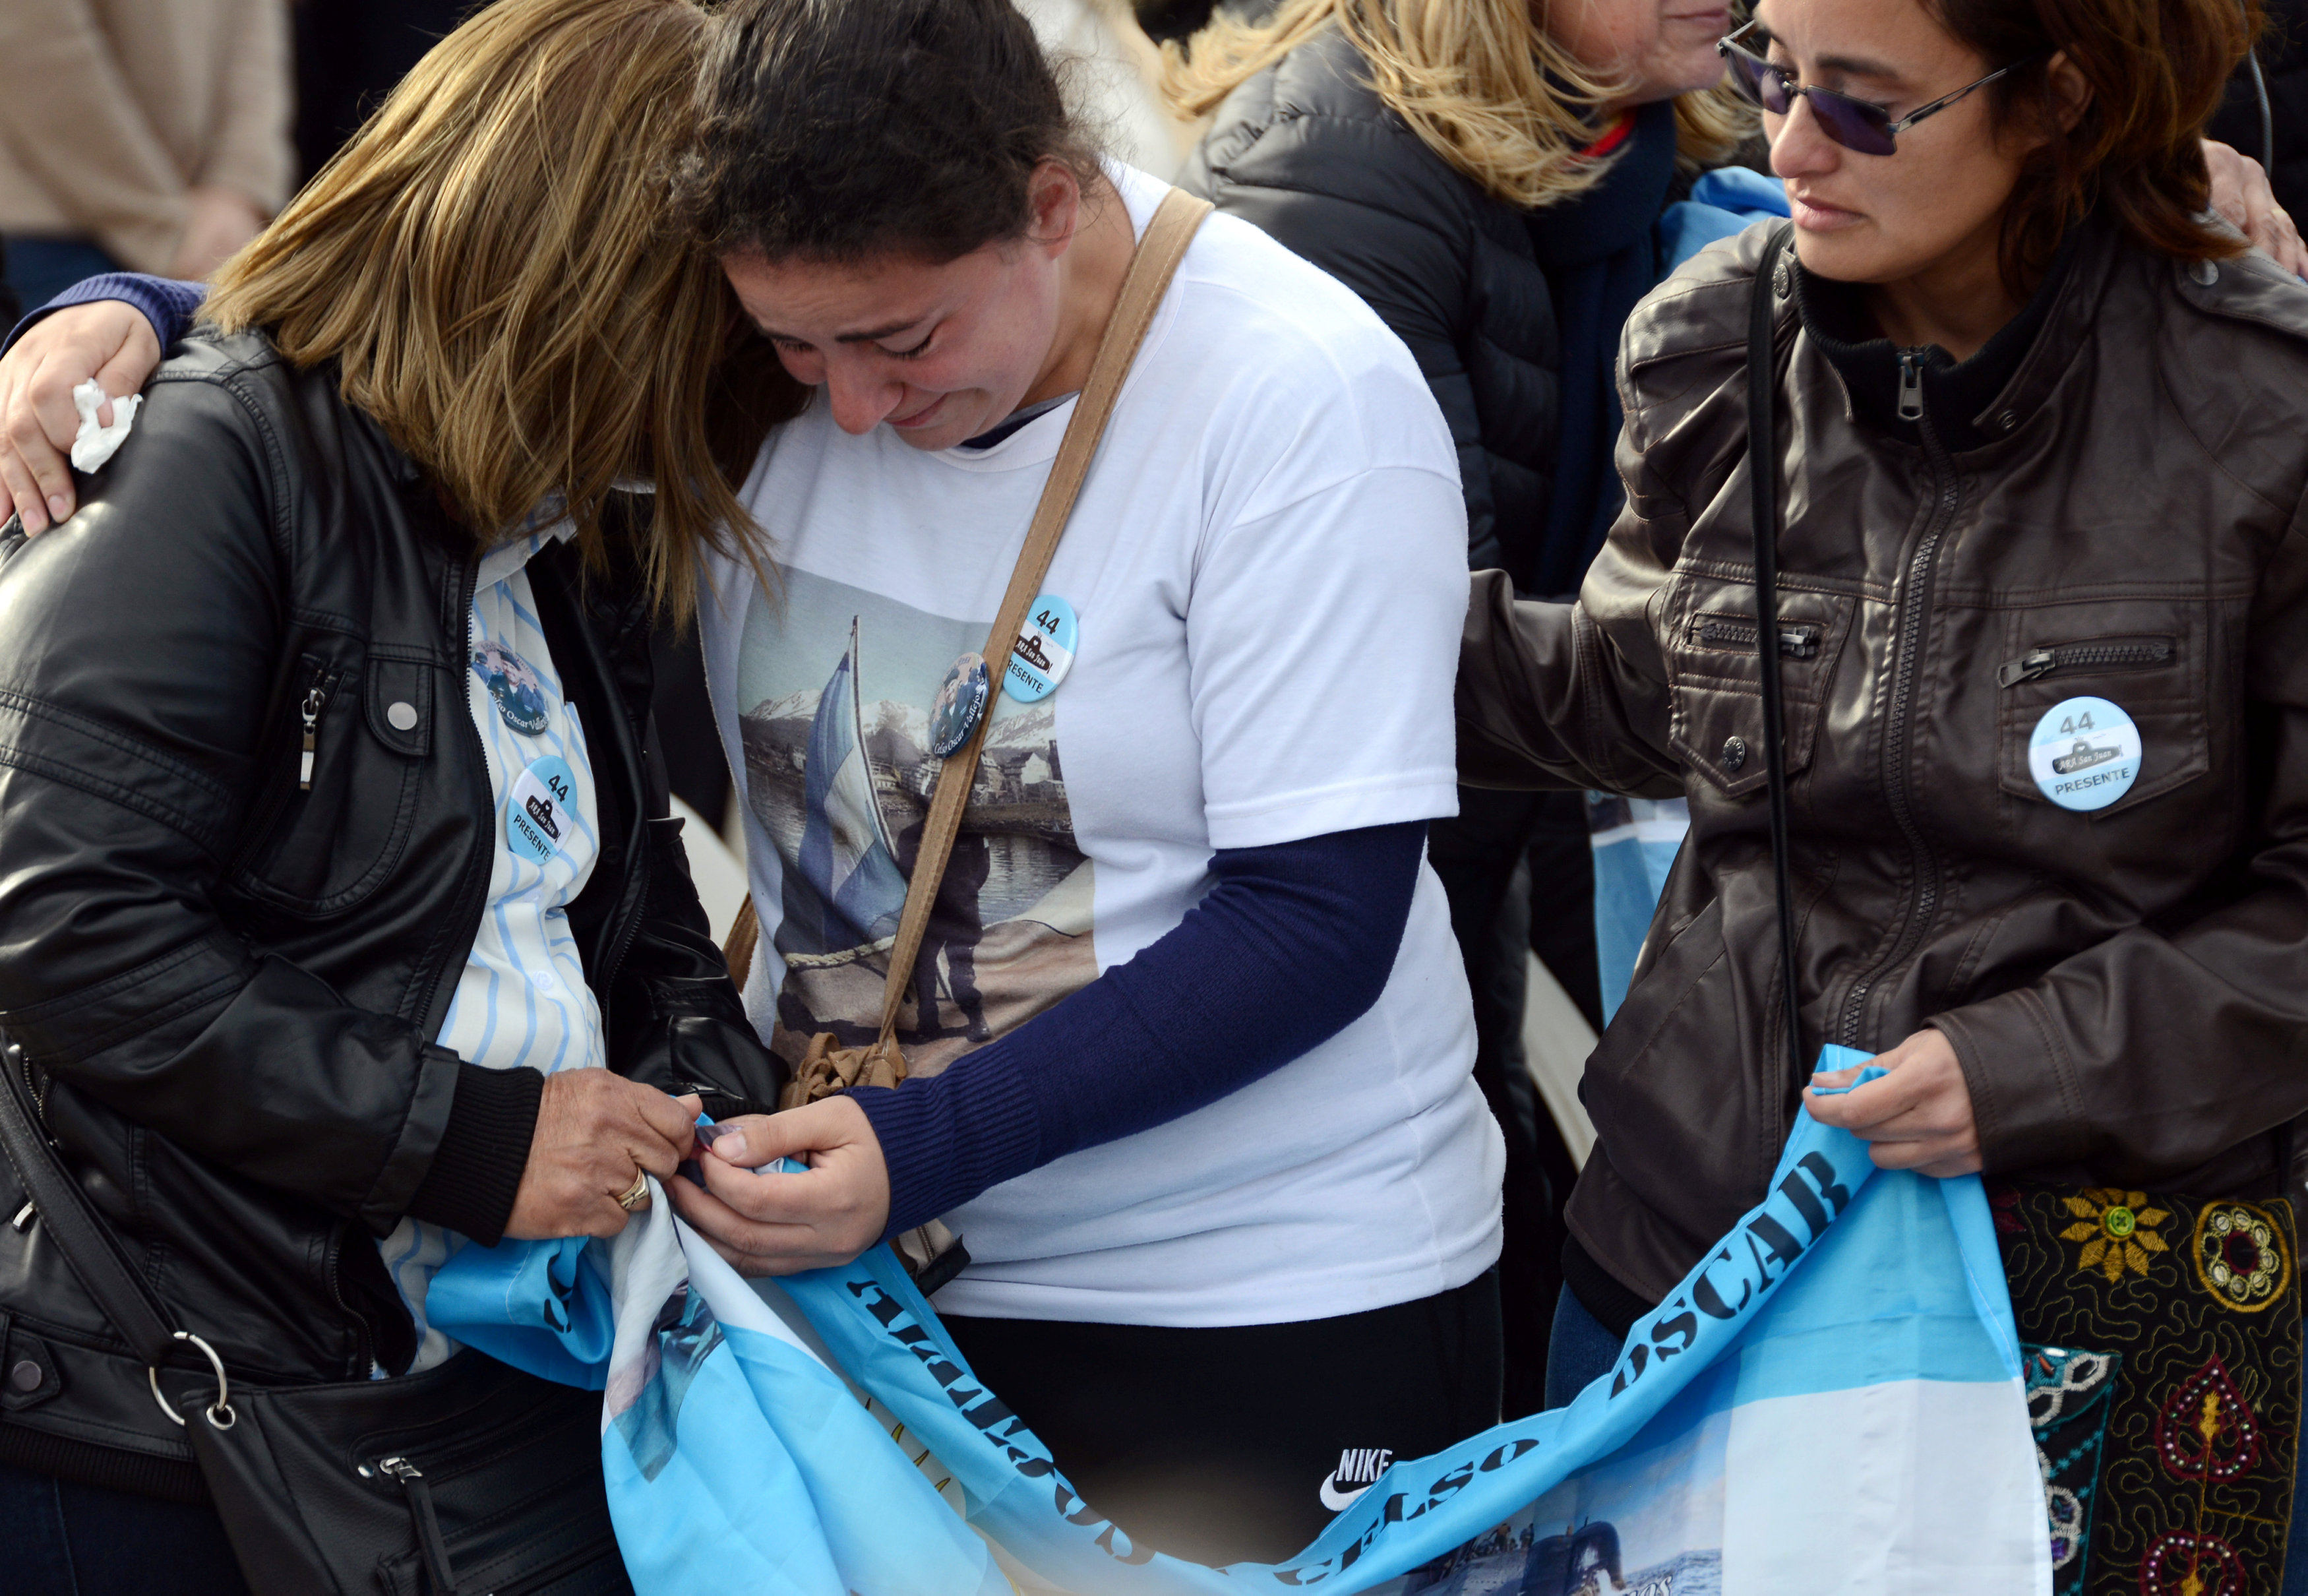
[{"x": 1971, "y": 402}]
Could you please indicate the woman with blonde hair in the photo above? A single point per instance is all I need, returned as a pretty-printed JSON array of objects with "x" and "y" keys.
[{"x": 344, "y": 925}]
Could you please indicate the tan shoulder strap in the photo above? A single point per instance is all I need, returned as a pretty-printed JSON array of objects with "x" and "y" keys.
[{"x": 1151, "y": 270}]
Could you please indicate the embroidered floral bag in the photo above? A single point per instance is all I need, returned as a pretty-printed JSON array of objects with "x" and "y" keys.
[{"x": 2162, "y": 1336}]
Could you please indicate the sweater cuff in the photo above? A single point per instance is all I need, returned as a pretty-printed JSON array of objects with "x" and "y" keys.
[
  {"x": 484, "y": 1148},
  {"x": 947, "y": 1137},
  {"x": 170, "y": 306}
]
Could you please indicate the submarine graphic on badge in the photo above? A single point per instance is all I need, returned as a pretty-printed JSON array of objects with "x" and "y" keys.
[
  {"x": 514, "y": 685},
  {"x": 1043, "y": 651},
  {"x": 540, "y": 811},
  {"x": 2085, "y": 754},
  {"x": 960, "y": 705}
]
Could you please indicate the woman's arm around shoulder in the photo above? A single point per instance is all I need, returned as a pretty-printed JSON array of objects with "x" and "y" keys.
[
  {"x": 1553, "y": 696},
  {"x": 110, "y": 330}
]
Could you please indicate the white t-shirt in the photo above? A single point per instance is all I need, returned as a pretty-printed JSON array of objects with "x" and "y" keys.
[{"x": 1268, "y": 562}]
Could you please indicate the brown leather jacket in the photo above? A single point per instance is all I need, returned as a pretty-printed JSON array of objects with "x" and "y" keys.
[{"x": 2127, "y": 989}]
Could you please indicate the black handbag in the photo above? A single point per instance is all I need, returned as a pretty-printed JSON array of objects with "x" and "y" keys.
[
  {"x": 2160, "y": 1333},
  {"x": 471, "y": 1478}
]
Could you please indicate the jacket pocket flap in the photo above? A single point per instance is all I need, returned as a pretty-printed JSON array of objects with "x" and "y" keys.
[
  {"x": 400, "y": 705},
  {"x": 2149, "y": 658},
  {"x": 1716, "y": 675}
]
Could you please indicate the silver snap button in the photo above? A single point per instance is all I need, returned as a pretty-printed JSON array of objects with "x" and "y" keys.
[
  {"x": 25, "y": 1376},
  {"x": 1784, "y": 279},
  {"x": 2007, "y": 421},
  {"x": 400, "y": 717},
  {"x": 2205, "y": 272},
  {"x": 1734, "y": 752}
]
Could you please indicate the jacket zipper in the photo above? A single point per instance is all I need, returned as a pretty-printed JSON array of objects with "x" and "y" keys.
[
  {"x": 628, "y": 928},
  {"x": 477, "y": 864},
  {"x": 1797, "y": 640},
  {"x": 274, "y": 795},
  {"x": 2106, "y": 653},
  {"x": 316, "y": 699},
  {"x": 1911, "y": 385},
  {"x": 363, "y": 1358},
  {"x": 1914, "y": 616},
  {"x": 32, "y": 1086}
]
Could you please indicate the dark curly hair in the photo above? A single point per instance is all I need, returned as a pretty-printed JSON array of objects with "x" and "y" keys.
[
  {"x": 839, "y": 129},
  {"x": 2157, "y": 69}
]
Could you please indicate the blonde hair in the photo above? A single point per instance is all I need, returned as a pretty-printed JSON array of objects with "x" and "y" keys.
[
  {"x": 1483, "y": 85},
  {"x": 490, "y": 265}
]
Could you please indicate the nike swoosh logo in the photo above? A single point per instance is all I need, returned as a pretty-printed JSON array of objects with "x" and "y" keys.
[{"x": 1337, "y": 1500}]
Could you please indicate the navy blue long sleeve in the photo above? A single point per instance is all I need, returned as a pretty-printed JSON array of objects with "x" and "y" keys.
[
  {"x": 1294, "y": 944},
  {"x": 168, "y": 305}
]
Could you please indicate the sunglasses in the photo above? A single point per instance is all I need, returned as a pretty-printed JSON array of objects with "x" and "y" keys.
[{"x": 1854, "y": 124}]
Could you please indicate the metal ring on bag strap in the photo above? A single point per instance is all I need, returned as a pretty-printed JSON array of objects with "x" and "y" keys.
[{"x": 223, "y": 1404}]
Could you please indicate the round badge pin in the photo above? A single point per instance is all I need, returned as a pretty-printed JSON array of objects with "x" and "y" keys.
[
  {"x": 2085, "y": 754},
  {"x": 540, "y": 812},
  {"x": 519, "y": 695},
  {"x": 1044, "y": 652},
  {"x": 960, "y": 704}
]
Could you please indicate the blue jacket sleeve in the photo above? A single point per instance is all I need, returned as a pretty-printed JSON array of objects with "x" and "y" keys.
[
  {"x": 1294, "y": 944},
  {"x": 168, "y": 305}
]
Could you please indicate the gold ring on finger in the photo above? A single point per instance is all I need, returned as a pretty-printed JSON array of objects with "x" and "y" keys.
[{"x": 636, "y": 1195}]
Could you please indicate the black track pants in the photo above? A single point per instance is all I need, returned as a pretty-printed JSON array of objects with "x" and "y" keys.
[{"x": 1238, "y": 1442}]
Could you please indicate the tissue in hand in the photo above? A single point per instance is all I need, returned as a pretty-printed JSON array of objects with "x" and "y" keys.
[{"x": 93, "y": 445}]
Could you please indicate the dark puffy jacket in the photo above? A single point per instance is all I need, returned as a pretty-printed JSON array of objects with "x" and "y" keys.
[
  {"x": 223, "y": 988},
  {"x": 1308, "y": 152}
]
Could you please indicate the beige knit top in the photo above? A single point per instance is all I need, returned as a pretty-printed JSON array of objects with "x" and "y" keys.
[{"x": 113, "y": 108}]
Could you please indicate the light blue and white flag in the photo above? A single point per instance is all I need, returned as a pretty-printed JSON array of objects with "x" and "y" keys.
[
  {"x": 1831, "y": 1401},
  {"x": 1635, "y": 842},
  {"x": 845, "y": 856}
]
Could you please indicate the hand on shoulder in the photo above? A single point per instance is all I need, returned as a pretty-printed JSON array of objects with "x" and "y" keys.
[{"x": 108, "y": 341}]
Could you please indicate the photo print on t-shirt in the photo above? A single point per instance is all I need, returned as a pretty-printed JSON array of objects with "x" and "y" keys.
[{"x": 838, "y": 682}]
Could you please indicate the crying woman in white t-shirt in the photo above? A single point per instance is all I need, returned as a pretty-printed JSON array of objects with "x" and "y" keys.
[{"x": 1189, "y": 1045}]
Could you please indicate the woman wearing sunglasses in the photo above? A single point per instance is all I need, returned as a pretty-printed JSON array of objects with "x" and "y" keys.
[
  {"x": 2043, "y": 439},
  {"x": 1865, "y": 125}
]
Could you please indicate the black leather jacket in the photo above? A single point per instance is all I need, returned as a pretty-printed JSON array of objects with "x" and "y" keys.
[{"x": 224, "y": 987}]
